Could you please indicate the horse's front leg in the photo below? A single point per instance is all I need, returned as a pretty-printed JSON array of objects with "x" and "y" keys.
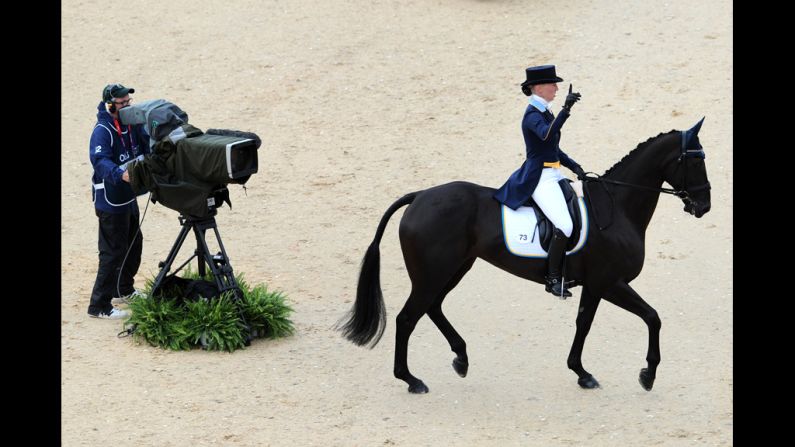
[
  {"x": 623, "y": 296},
  {"x": 587, "y": 310}
]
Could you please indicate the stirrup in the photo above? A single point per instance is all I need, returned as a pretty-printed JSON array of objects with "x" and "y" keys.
[{"x": 555, "y": 287}]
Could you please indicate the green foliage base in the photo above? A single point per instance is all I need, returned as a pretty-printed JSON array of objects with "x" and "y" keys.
[{"x": 210, "y": 324}]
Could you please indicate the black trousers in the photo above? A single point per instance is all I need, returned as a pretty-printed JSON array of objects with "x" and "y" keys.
[{"x": 116, "y": 233}]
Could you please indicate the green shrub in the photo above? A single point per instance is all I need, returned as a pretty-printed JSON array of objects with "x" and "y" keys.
[
  {"x": 159, "y": 323},
  {"x": 267, "y": 313},
  {"x": 215, "y": 324},
  {"x": 212, "y": 324}
]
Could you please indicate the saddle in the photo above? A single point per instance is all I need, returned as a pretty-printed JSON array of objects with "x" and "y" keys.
[{"x": 545, "y": 228}]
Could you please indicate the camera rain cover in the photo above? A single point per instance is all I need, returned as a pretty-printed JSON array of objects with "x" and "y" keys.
[{"x": 187, "y": 165}]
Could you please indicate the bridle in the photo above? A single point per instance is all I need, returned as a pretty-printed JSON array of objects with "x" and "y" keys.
[{"x": 684, "y": 193}]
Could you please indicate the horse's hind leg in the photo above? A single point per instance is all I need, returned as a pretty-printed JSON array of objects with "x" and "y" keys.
[
  {"x": 427, "y": 285},
  {"x": 587, "y": 309},
  {"x": 418, "y": 303},
  {"x": 623, "y": 296},
  {"x": 457, "y": 344}
]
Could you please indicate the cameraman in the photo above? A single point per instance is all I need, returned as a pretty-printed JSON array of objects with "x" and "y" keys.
[{"x": 112, "y": 146}]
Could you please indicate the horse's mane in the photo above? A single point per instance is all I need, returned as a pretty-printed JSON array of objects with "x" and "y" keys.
[{"x": 635, "y": 151}]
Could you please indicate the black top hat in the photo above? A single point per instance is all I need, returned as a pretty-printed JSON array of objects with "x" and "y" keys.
[
  {"x": 115, "y": 91},
  {"x": 542, "y": 74}
]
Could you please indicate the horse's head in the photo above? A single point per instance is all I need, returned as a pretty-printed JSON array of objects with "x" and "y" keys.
[{"x": 688, "y": 173}]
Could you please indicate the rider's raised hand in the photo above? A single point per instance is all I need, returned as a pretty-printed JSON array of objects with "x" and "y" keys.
[{"x": 571, "y": 98}]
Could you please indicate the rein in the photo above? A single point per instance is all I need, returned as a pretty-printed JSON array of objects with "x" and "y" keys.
[{"x": 678, "y": 193}]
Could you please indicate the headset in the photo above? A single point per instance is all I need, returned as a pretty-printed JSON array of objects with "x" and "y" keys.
[{"x": 107, "y": 96}]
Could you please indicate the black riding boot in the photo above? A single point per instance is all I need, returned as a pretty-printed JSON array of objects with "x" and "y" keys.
[{"x": 557, "y": 254}]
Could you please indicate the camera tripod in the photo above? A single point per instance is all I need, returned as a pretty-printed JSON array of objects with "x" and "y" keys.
[{"x": 218, "y": 263}]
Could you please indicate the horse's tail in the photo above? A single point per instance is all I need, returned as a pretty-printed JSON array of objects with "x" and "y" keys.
[{"x": 367, "y": 319}]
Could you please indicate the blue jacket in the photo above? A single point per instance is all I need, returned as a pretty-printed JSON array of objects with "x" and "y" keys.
[
  {"x": 108, "y": 152},
  {"x": 541, "y": 138}
]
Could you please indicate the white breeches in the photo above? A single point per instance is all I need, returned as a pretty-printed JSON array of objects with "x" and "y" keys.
[{"x": 550, "y": 199}]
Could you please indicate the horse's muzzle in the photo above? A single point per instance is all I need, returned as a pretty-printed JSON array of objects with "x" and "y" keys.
[{"x": 695, "y": 208}]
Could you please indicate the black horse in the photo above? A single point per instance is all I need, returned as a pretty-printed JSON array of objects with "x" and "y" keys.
[{"x": 448, "y": 226}]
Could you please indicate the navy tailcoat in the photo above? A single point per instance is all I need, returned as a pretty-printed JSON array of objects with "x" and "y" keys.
[{"x": 541, "y": 132}]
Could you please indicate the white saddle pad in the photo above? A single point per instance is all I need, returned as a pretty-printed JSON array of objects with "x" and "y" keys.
[{"x": 522, "y": 238}]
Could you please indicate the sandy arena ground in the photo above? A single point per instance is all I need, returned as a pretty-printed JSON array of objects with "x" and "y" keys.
[{"x": 357, "y": 103}]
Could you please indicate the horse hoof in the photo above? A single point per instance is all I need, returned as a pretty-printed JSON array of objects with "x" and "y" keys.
[
  {"x": 460, "y": 367},
  {"x": 418, "y": 388},
  {"x": 588, "y": 383},
  {"x": 646, "y": 379}
]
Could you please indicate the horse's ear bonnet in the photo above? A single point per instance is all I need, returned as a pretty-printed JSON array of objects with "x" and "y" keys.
[{"x": 690, "y": 141}]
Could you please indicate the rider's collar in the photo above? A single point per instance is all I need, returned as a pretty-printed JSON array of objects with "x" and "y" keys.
[{"x": 539, "y": 102}]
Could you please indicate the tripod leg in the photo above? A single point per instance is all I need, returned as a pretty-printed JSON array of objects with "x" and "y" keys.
[
  {"x": 166, "y": 266},
  {"x": 201, "y": 249}
]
